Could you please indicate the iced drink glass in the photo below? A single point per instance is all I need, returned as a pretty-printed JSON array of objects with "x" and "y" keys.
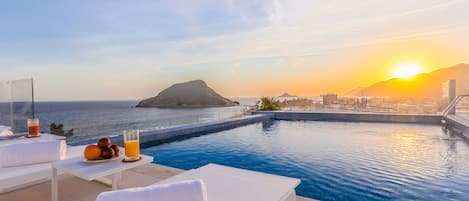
[
  {"x": 33, "y": 127},
  {"x": 131, "y": 145}
]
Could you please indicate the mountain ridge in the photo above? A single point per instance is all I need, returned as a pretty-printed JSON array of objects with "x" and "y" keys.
[{"x": 422, "y": 86}]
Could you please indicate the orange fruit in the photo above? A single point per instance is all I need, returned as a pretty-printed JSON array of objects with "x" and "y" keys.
[{"x": 92, "y": 152}]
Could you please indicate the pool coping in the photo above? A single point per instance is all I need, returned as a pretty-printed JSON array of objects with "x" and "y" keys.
[
  {"x": 459, "y": 123},
  {"x": 354, "y": 117},
  {"x": 180, "y": 132}
]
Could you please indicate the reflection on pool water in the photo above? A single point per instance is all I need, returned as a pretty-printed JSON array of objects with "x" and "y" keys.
[{"x": 337, "y": 160}]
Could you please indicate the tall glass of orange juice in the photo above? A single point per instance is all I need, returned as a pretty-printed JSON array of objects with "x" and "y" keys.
[{"x": 131, "y": 145}]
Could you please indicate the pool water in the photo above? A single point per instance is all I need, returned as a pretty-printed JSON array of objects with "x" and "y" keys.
[{"x": 337, "y": 160}]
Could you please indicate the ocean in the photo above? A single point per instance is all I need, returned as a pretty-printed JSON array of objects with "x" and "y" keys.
[{"x": 94, "y": 119}]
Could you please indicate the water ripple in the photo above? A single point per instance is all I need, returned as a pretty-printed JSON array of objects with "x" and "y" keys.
[{"x": 336, "y": 160}]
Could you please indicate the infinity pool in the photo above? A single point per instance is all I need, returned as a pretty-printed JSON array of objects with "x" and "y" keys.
[{"x": 337, "y": 160}]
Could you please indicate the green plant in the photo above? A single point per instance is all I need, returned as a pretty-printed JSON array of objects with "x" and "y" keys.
[
  {"x": 58, "y": 129},
  {"x": 269, "y": 104}
]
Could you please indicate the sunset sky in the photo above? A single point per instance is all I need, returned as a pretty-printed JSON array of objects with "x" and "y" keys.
[{"x": 104, "y": 50}]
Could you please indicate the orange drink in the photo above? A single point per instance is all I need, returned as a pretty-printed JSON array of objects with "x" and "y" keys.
[
  {"x": 131, "y": 145},
  {"x": 33, "y": 127},
  {"x": 132, "y": 148}
]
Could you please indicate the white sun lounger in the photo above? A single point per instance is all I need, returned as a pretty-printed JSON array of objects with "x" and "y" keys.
[
  {"x": 13, "y": 178},
  {"x": 234, "y": 184},
  {"x": 20, "y": 138}
]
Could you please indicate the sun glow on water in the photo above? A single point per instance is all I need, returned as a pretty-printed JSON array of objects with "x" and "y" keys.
[{"x": 407, "y": 70}]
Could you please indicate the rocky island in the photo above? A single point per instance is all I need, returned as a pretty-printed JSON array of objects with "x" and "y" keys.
[{"x": 192, "y": 94}]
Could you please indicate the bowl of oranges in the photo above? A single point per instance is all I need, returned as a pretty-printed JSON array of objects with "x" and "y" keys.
[{"x": 102, "y": 151}]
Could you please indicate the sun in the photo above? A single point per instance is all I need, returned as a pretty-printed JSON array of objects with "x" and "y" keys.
[{"x": 407, "y": 70}]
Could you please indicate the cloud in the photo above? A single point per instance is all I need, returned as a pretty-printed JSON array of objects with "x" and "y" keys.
[
  {"x": 233, "y": 71},
  {"x": 297, "y": 61},
  {"x": 144, "y": 42}
]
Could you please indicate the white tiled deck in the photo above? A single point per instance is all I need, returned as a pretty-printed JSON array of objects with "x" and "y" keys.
[{"x": 75, "y": 189}]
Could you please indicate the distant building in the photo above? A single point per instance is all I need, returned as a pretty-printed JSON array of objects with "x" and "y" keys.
[{"x": 328, "y": 99}]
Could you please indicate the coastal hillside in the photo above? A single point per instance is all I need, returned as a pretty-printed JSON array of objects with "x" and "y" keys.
[
  {"x": 422, "y": 86},
  {"x": 192, "y": 94},
  {"x": 287, "y": 95},
  {"x": 354, "y": 92}
]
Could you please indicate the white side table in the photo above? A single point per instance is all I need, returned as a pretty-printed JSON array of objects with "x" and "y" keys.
[{"x": 77, "y": 167}]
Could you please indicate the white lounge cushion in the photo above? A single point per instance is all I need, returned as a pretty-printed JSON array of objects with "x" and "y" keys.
[
  {"x": 2, "y": 127},
  {"x": 191, "y": 190},
  {"x": 5, "y": 131},
  {"x": 22, "y": 154},
  {"x": 234, "y": 184},
  {"x": 12, "y": 178},
  {"x": 21, "y": 138}
]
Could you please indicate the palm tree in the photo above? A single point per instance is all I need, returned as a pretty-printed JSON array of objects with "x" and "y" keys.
[{"x": 268, "y": 104}]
